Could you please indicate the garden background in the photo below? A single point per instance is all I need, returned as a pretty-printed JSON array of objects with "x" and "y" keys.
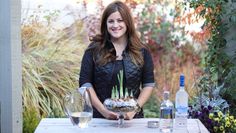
[{"x": 194, "y": 37}]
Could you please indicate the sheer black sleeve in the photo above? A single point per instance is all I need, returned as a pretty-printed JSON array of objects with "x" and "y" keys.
[
  {"x": 86, "y": 70},
  {"x": 148, "y": 75}
]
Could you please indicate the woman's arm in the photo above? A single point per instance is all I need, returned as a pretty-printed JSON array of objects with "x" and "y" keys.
[
  {"x": 147, "y": 82},
  {"x": 142, "y": 99},
  {"x": 144, "y": 96},
  {"x": 100, "y": 107}
]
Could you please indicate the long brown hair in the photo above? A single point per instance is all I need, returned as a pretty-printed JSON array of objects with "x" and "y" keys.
[{"x": 104, "y": 50}]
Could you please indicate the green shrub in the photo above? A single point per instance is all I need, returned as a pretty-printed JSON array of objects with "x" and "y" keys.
[
  {"x": 151, "y": 108},
  {"x": 30, "y": 120}
]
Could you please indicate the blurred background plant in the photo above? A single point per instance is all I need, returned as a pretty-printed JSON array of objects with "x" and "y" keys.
[
  {"x": 218, "y": 64},
  {"x": 223, "y": 123},
  {"x": 172, "y": 53},
  {"x": 207, "y": 102},
  {"x": 51, "y": 61},
  {"x": 31, "y": 120},
  {"x": 171, "y": 50},
  {"x": 216, "y": 87},
  {"x": 214, "y": 120}
]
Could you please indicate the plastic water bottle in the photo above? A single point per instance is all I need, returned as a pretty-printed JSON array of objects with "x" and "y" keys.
[
  {"x": 181, "y": 105},
  {"x": 166, "y": 114}
]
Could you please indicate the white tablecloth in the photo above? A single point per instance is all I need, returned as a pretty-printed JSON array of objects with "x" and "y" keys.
[{"x": 64, "y": 125}]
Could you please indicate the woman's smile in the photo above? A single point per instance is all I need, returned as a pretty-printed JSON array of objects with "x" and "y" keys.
[{"x": 116, "y": 26}]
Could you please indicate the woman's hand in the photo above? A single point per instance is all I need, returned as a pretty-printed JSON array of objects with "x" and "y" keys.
[
  {"x": 109, "y": 114},
  {"x": 130, "y": 115},
  {"x": 100, "y": 107}
]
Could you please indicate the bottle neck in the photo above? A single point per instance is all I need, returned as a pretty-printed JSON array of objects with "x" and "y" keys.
[
  {"x": 166, "y": 96},
  {"x": 181, "y": 87},
  {"x": 165, "y": 99}
]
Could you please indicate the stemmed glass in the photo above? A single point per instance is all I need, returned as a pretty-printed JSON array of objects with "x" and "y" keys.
[
  {"x": 121, "y": 107},
  {"x": 121, "y": 100},
  {"x": 78, "y": 107}
]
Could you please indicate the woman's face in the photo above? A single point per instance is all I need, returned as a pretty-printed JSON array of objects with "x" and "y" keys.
[{"x": 116, "y": 26}]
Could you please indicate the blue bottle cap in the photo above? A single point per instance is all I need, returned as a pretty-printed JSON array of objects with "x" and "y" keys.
[{"x": 181, "y": 80}]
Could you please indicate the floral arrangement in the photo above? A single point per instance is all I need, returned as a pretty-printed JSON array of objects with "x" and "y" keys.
[
  {"x": 120, "y": 101},
  {"x": 215, "y": 122},
  {"x": 213, "y": 113},
  {"x": 222, "y": 123}
]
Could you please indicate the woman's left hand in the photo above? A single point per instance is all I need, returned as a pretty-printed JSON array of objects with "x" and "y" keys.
[{"x": 130, "y": 115}]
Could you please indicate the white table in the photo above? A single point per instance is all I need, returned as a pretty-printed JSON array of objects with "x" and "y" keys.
[{"x": 64, "y": 125}]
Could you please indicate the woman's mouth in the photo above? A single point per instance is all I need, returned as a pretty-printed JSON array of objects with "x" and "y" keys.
[{"x": 116, "y": 29}]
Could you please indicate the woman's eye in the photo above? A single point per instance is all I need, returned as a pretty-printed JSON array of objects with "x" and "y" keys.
[
  {"x": 110, "y": 21},
  {"x": 120, "y": 20}
]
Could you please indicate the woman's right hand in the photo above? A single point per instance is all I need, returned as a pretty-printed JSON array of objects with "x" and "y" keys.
[
  {"x": 109, "y": 114},
  {"x": 100, "y": 107}
]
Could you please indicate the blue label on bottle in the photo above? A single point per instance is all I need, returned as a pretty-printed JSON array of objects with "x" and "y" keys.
[
  {"x": 182, "y": 110},
  {"x": 166, "y": 113}
]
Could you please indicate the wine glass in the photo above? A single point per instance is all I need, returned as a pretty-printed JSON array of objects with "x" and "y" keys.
[{"x": 78, "y": 107}]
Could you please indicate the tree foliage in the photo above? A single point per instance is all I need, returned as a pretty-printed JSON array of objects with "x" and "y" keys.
[{"x": 219, "y": 66}]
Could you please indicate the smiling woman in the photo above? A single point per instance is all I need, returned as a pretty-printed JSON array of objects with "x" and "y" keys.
[
  {"x": 117, "y": 28},
  {"x": 117, "y": 48}
]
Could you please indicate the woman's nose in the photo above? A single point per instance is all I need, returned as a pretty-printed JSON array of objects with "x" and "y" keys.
[{"x": 115, "y": 24}]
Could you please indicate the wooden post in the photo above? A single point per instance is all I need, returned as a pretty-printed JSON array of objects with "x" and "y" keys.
[{"x": 10, "y": 67}]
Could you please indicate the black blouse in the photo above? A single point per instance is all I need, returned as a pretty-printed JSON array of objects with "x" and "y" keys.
[{"x": 87, "y": 76}]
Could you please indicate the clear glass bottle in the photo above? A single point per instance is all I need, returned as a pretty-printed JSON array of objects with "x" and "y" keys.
[
  {"x": 166, "y": 114},
  {"x": 181, "y": 105}
]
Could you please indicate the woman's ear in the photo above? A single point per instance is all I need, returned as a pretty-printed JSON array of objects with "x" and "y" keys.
[{"x": 138, "y": 34}]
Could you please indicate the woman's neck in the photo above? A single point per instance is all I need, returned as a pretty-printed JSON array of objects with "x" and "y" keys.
[
  {"x": 120, "y": 45},
  {"x": 119, "y": 41}
]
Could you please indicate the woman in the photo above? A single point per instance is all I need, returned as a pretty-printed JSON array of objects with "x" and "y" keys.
[{"x": 116, "y": 48}]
